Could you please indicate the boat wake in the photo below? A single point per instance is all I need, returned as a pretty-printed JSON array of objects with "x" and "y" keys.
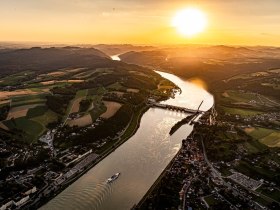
[{"x": 86, "y": 197}]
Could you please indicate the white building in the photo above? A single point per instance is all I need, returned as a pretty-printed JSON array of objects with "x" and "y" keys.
[
  {"x": 31, "y": 190},
  {"x": 6, "y": 205},
  {"x": 21, "y": 201}
]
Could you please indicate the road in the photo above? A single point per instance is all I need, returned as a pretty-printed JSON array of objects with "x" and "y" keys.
[{"x": 217, "y": 173}]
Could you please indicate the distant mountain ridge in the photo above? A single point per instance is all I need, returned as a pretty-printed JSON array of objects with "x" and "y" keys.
[
  {"x": 209, "y": 63},
  {"x": 115, "y": 49},
  {"x": 43, "y": 59}
]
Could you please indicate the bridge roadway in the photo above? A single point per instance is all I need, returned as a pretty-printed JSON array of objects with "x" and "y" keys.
[{"x": 175, "y": 108}]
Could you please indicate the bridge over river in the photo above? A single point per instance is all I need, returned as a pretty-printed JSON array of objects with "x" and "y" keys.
[{"x": 176, "y": 108}]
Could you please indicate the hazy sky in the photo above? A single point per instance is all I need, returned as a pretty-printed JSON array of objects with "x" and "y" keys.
[{"x": 251, "y": 22}]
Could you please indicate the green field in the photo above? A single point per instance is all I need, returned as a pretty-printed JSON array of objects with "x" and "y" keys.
[
  {"x": 250, "y": 75},
  {"x": 84, "y": 74},
  {"x": 236, "y": 96},
  {"x": 274, "y": 194},
  {"x": 96, "y": 91},
  {"x": 36, "y": 111},
  {"x": 266, "y": 136},
  {"x": 104, "y": 70},
  {"x": 241, "y": 112},
  {"x": 38, "y": 86},
  {"x": 259, "y": 133},
  {"x": 48, "y": 117},
  {"x": 254, "y": 146},
  {"x": 273, "y": 85},
  {"x": 28, "y": 99},
  {"x": 98, "y": 107},
  {"x": 36, "y": 119},
  {"x": 240, "y": 76},
  {"x": 81, "y": 93},
  {"x": 117, "y": 86},
  {"x": 248, "y": 98},
  {"x": 30, "y": 129},
  {"x": 272, "y": 140},
  {"x": 254, "y": 171},
  {"x": 4, "y": 104},
  {"x": 34, "y": 124},
  {"x": 15, "y": 78}
]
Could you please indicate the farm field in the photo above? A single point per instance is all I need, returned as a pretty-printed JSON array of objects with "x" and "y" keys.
[
  {"x": 241, "y": 112},
  {"x": 5, "y": 102},
  {"x": 275, "y": 194},
  {"x": 85, "y": 74},
  {"x": 44, "y": 98},
  {"x": 112, "y": 108},
  {"x": 236, "y": 96},
  {"x": 28, "y": 114},
  {"x": 248, "y": 76},
  {"x": 81, "y": 121},
  {"x": 29, "y": 128},
  {"x": 15, "y": 78},
  {"x": 118, "y": 93},
  {"x": 248, "y": 98},
  {"x": 132, "y": 90},
  {"x": 266, "y": 136},
  {"x": 20, "y": 111},
  {"x": 46, "y": 118},
  {"x": 273, "y": 85},
  {"x": 272, "y": 140},
  {"x": 275, "y": 70},
  {"x": 98, "y": 108},
  {"x": 117, "y": 86},
  {"x": 28, "y": 99},
  {"x": 74, "y": 105},
  {"x": 7, "y": 94},
  {"x": 96, "y": 91}
]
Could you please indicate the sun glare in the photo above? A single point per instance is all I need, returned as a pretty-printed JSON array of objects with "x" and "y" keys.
[{"x": 189, "y": 21}]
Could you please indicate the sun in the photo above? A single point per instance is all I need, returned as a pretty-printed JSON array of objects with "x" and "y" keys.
[{"x": 190, "y": 21}]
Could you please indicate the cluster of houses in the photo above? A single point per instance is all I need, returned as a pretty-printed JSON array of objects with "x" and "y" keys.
[
  {"x": 18, "y": 200},
  {"x": 68, "y": 157}
]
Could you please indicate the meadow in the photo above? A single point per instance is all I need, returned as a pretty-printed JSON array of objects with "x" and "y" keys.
[{"x": 269, "y": 137}]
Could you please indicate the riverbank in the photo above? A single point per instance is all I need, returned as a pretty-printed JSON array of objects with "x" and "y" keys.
[
  {"x": 156, "y": 184},
  {"x": 130, "y": 131},
  {"x": 164, "y": 176}
]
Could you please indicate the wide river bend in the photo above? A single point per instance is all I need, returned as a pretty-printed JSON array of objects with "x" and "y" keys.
[{"x": 141, "y": 159}]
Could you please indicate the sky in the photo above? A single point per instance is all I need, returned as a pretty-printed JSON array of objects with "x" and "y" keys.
[{"x": 232, "y": 22}]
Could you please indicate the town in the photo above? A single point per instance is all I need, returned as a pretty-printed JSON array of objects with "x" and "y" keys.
[{"x": 191, "y": 181}]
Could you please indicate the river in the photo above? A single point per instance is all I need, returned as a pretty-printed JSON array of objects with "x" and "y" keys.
[{"x": 141, "y": 159}]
